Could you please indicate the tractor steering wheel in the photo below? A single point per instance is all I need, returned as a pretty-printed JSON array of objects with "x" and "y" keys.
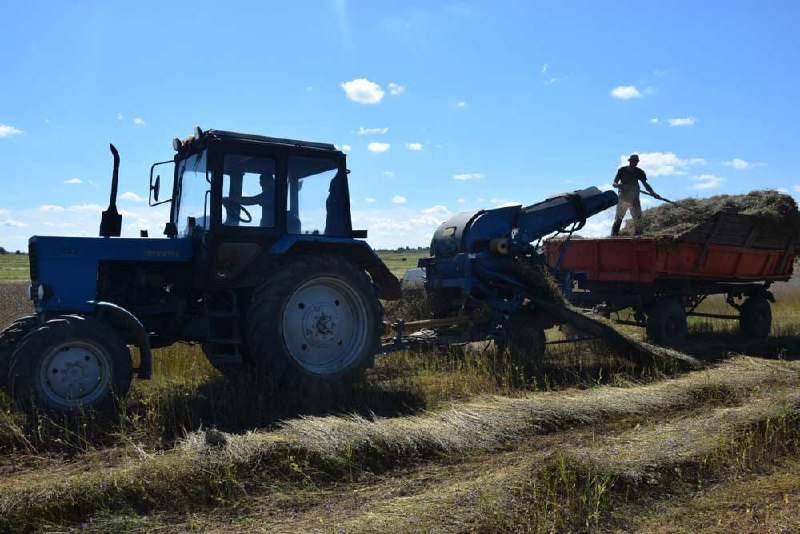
[{"x": 235, "y": 211}]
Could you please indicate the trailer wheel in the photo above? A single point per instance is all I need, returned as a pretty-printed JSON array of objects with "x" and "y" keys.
[
  {"x": 314, "y": 317},
  {"x": 526, "y": 342},
  {"x": 9, "y": 339},
  {"x": 755, "y": 317},
  {"x": 666, "y": 323},
  {"x": 70, "y": 364}
]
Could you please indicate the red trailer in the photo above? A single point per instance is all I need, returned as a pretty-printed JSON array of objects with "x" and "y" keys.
[{"x": 662, "y": 280}]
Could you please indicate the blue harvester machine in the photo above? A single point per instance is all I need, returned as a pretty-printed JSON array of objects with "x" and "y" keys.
[{"x": 486, "y": 279}]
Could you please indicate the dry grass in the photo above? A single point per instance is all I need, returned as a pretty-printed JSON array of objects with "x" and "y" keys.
[
  {"x": 212, "y": 465},
  {"x": 776, "y": 209}
]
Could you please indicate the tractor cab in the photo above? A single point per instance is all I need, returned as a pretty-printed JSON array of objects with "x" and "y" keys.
[{"x": 238, "y": 194}]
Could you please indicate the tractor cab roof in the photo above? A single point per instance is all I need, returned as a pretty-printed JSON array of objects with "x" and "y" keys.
[{"x": 223, "y": 135}]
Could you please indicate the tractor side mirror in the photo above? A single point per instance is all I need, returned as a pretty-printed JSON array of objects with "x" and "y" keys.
[{"x": 155, "y": 185}]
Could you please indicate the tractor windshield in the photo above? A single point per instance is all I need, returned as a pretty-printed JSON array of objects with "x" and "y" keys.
[{"x": 191, "y": 193}]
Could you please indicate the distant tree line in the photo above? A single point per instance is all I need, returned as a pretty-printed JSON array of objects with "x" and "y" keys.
[
  {"x": 4, "y": 251},
  {"x": 403, "y": 249}
]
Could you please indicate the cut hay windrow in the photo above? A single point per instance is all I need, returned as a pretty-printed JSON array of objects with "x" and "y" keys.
[
  {"x": 663, "y": 454},
  {"x": 210, "y": 465}
]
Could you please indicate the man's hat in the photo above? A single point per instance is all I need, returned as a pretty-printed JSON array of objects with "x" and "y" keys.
[{"x": 633, "y": 157}]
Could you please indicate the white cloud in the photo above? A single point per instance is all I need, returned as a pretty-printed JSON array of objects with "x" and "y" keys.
[
  {"x": 87, "y": 207},
  {"x": 47, "y": 121},
  {"x": 707, "y": 181},
  {"x": 378, "y": 147},
  {"x": 130, "y": 196},
  {"x": 14, "y": 224},
  {"x": 462, "y": 200},
  {"x": 461, "y": 104},
  {"x": 471, "y": 176},
  {"x": 544, "y": 68},
  {"x": 796, "y": 188},
  {"x": 738, "y": 164},
  {"x": 396, "y": 89},
  {"x": 398, "y": 199},
  {"x": 388, "y": 174},
  {"x": 367, "y": 131},
  {"x": 369, "y": 200},
  {"x": 504, "y": 203},
  {"x": 363, "y": 91},
  {"x": 120, "y": 116},
  {"x": 51, "y": 208},
  {"x": 438, "y": 211},
  {"x": 400, "y": 225},
  {"x": 685, "y": 121},
  {"x": 346, "y": 148},
  {"x": 73, "y": 181},
  {"x": 8, "y": 131},
  {"x": 414, "y": 146},
  {"x": 138, "y": 121},
  {"x": 654, "y": 121},
  {"x": 664, "y": 163},
  {"x": 625, "y": 92}
]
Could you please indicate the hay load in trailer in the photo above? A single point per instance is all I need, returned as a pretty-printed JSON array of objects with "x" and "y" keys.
[{"x": 767, "y": 218}]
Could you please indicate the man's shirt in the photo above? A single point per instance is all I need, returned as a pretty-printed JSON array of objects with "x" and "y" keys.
[{"x": 629, "y": 178}]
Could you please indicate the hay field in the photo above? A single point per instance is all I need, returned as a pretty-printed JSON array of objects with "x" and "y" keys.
[{"x": 446, "y": 441}]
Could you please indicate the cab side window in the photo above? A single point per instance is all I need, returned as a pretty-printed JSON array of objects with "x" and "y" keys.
[
  {"x": 248, "y": 191},
  {"x": 311, "y": 181}
]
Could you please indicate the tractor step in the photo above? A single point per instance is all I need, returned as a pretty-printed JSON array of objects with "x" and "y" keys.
[{"x": 225, "y": 359}]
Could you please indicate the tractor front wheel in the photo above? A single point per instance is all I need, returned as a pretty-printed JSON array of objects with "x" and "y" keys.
[
  {"x": 70, "y": 364},
  {"x": 9, "y": 339},
  {"x": 314, "y": 317}
]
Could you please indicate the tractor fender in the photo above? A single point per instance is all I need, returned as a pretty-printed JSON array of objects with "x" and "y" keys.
[
  {"x": 122, "y": 319},
  {"x": 387, "y": 285}
]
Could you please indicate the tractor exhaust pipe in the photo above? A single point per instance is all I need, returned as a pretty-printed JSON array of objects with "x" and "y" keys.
[{"x": 111, "y": 221}]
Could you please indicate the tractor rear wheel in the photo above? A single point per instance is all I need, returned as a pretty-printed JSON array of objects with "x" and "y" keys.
[
  {"x": 666, "y": 322},
  {"x": 755, "y": 317},
  {"x": 70, "y": 364},
  {"x": 314, "y": 317}
]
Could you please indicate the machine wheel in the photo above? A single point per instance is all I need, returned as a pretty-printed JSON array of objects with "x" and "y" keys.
[
  {"x": 314, "y": 317},
  {"x": 9, "y": 339},
  {"x": 70, "y": 364},
  {"x": 755, "y": 317},
  {"x": 666, "y": 322},
  {"x": 526, "y": 342}
]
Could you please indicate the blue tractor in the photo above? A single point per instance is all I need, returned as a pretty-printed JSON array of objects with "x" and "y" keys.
[{"x": 259, "y": 264}]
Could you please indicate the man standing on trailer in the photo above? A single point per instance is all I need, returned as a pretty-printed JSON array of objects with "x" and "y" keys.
[{"x": 627, "y": 181}]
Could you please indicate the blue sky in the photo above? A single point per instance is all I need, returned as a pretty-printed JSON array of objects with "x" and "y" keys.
[{"x": 442, "y": 106}]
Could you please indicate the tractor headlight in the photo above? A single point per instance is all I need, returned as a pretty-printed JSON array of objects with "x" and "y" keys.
[{"x": 40, "y": 291}]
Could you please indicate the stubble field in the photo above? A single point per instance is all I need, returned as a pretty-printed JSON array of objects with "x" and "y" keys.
[{"x": 445, "y": 441}]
